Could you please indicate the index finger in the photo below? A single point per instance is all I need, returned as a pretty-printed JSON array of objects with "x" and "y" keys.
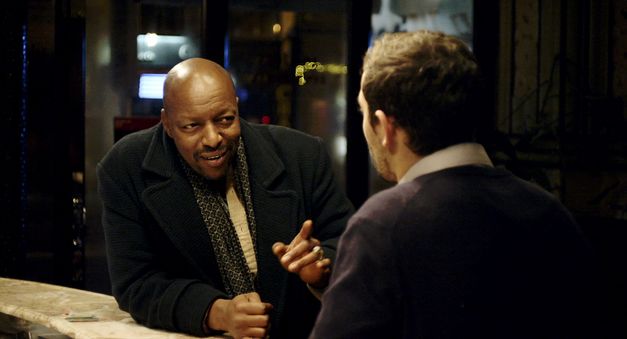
[
  {"x": 303, "y": 234},
  {"x": 255, "y": 305},
  {"x": 253, "y": 297},
  {"x": 305, "y": 230}
]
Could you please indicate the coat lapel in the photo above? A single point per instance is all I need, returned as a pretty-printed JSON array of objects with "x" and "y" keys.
[{"x": 170, "y": 199}]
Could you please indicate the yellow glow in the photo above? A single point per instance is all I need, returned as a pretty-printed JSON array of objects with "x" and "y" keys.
[
  {"x": 152, "y": 39},
  {"x": 300, "y": 70},
  {"x": 276, "y": 28}
]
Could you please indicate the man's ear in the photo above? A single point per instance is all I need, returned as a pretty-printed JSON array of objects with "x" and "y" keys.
[
  {"x": 165, "y": 122},
  {"x": 388, "y": 130}
]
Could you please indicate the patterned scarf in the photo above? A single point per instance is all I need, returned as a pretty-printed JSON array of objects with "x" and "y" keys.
[{"x": 234, "y": 270}]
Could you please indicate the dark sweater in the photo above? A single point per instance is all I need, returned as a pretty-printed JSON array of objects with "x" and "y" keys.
[{"x": 465, "y": 252}]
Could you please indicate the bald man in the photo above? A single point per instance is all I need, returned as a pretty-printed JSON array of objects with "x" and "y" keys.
[{"x": 216, "y": 225}]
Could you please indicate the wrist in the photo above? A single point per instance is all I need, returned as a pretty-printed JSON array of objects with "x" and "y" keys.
[
  {"x": 316, "y": 292},
  {"x": 215, "y": 320}
]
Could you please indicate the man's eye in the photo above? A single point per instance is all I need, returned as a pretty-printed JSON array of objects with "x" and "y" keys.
[
  {"x": 226, "y": 120},
  {"x": 189, "y": 126}
]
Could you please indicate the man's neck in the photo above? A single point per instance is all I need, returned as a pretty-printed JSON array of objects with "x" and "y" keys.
[{"x": 402, "y": 161}]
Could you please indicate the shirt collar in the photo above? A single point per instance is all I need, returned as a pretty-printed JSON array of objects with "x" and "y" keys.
[{"x": 452, "y": 156}]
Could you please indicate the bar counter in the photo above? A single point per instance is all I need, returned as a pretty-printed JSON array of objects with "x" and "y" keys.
[{"x": 72, "y": 312}]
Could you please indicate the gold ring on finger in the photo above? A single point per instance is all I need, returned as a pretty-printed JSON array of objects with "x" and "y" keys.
[{"x": 318, "y": 249}]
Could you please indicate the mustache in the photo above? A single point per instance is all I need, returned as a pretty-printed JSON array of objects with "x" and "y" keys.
[
  {"x": 209, "y": 149},
  {"x": 208, "y": 152}
]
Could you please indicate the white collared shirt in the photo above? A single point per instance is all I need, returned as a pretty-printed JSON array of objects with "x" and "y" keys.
[{"x": 452, "y": 156}]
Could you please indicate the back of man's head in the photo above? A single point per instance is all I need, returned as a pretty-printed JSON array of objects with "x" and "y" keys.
[{"x": 429, "y": 82}]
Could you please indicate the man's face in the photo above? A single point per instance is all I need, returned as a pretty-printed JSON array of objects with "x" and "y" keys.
[
  {"x": 378, "y": 154},
  {"x": 204, "y": 123}
]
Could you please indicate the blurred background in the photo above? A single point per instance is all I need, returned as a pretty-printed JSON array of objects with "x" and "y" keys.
[{"x": 79, "y": 74}]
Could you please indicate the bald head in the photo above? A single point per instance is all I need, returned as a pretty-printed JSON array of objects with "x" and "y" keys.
[
  {"x": 192, "y": 77},
  {"x": 200, "y": 115}
]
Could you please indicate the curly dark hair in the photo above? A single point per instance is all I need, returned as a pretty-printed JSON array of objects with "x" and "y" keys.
[{"x": 429, "y": 81}]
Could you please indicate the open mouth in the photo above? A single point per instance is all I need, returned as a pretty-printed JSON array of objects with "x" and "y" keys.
[{"x": 213, "y": 159}]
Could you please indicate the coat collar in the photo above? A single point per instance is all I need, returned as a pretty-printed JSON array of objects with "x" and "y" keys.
[{"x": 268, "y": 167}]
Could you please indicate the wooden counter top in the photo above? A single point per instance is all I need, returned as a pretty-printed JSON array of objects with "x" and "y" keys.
[{"x": 76, "y": 313}]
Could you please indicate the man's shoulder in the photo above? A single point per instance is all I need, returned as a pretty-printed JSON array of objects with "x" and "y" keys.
[
  {"x": 132, "y": 145},
  {"x": 288, "y": 143},
  {"x": 281, "y": 133},
  {"x": 388, "y": 203}
]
